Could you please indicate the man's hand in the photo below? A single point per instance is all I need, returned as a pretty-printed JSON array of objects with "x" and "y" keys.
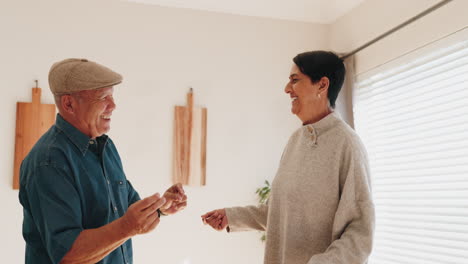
[
  {"x": 142, "y": 216},
  {"x": 176, "y": 200},
  {"x": 217, "y": 219}
]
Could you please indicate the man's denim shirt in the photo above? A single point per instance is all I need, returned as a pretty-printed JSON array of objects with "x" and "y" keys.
[{"x": 69, "y": 183}]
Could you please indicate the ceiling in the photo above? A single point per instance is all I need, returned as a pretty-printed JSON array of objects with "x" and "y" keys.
[{"x": 315, "y": 11}]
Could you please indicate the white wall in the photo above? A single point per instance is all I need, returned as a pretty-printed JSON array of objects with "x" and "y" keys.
[
  {"x": 374, "y": 17},
  {"x": 237, "y": 66}
]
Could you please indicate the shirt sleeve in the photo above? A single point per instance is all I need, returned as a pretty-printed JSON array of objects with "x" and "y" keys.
[
  {"x": 353, "y": 225},
  {"x": 247, "y": 218},
  {"x": 55, "y": 208},
  {"x": 133, "y": 195}
]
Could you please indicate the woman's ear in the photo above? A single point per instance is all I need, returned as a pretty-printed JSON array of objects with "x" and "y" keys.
[{"x": 324, "y": 84}]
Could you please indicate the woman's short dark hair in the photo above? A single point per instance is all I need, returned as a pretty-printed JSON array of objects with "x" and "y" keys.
[{"x": 318, "y": 64}]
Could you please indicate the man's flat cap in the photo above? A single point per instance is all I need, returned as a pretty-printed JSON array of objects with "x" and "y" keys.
[{"x": 74, "y": 75}]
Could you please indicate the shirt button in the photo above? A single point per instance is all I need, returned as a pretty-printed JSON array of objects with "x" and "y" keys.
[
  {"x": 115, "y": 208},
  {"x": 108, "y": 182},
  {"x": 91, "y": 142}
]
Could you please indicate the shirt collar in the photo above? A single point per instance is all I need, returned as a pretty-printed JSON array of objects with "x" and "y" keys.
[{"x": 80, "y": 140}]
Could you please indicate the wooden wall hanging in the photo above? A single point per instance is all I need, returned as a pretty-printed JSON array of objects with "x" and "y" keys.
[
  {"x": 189, "y": 163},
  {"x": 32, "y": 121}
]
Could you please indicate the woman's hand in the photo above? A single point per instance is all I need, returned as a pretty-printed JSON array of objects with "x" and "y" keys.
[{"x": 217, "y": 219}]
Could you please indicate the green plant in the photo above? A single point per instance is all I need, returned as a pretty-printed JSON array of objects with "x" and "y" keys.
[{"x": 263, "y": 195}]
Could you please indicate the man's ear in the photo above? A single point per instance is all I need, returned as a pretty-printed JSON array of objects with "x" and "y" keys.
[{"x": 68, "y": 103}]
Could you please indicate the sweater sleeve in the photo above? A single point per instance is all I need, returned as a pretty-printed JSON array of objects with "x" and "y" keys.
[
  {"x": 247, "y": 218},
  {"x": 353, "y": 225},
  {"x": 251, "y": 217}
]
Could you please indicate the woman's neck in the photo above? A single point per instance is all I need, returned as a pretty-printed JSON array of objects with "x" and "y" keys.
[{"x": 317, "y": 116}]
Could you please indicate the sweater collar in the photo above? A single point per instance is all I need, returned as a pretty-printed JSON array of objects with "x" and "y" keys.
[
  {"x": 321, "y": 126},
  {"x": 325, "y": 123}
]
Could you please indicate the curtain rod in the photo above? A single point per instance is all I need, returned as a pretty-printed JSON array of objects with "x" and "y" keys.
[{"x": 407, "y": 22}]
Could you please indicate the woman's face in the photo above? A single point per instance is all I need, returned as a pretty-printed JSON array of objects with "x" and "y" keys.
[{"x": 306, "y": 97}]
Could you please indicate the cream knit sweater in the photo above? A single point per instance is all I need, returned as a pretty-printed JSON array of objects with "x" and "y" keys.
[{"x": 320, "y": 209}]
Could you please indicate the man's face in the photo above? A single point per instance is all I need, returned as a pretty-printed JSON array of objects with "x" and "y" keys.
[{"x": 93, "y": 111}]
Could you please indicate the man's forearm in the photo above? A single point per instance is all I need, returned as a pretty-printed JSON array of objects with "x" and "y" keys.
[{"x": 92, "y": 245}]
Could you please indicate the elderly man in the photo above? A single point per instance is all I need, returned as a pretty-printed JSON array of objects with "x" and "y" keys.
[{"x": 78, "y": 205}]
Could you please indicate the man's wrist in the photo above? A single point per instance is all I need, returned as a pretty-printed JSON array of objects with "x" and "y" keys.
[{"x": 124, "y": 227}]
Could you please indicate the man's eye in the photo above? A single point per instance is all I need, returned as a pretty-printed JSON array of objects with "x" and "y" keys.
[{"x": 294, "y": 80}]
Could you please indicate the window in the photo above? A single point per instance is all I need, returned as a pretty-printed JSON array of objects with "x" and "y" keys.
[{"x": 412, "y": 115}]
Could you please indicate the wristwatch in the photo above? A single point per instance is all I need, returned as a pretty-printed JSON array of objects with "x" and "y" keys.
[{"x": 160, "y": 213}]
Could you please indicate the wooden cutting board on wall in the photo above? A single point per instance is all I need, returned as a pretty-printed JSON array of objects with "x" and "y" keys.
[
  {"x": 32, "y": 121},
  {"x": 189, "y": 164}
]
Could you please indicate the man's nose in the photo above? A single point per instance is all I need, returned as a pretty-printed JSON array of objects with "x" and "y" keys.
[{"x": 112, "y": 104}]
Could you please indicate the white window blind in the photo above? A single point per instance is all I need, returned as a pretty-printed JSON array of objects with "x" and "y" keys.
[{"x": 413, "y": 118}]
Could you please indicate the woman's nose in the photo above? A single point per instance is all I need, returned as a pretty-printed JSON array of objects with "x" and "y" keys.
[{"x": 287, "y": 88}]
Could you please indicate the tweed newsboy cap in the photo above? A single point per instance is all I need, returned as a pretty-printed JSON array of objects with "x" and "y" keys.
[{"x": 74, "y": 75}]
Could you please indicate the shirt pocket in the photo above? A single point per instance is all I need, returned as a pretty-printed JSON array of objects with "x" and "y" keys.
[
  {"x": 120, "y": 183},
  {"x": 120, "y": 189}
]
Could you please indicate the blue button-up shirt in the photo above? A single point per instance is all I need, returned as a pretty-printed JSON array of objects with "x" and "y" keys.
[{"x": 68, "y": 183}]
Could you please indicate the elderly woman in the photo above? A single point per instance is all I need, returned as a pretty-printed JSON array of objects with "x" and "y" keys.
[{"x": 320, "y": 209}]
